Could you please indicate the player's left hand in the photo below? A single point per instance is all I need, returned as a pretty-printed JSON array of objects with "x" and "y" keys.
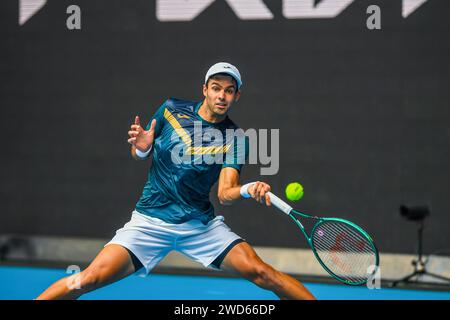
[{"x": 259, "y": 190}]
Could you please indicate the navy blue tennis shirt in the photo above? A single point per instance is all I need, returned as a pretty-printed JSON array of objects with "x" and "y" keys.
[{"x": 186, "y": 166}]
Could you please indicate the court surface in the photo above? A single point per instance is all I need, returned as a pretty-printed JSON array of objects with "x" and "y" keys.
[{"x": 25, "y": 283}]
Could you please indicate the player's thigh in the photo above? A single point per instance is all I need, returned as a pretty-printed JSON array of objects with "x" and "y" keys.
[
  {"x": 112, "y": 263},
  {"x": 242, "y": 259}
]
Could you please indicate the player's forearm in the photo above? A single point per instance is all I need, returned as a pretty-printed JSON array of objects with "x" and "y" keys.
[{"x": 230, "y": 195}]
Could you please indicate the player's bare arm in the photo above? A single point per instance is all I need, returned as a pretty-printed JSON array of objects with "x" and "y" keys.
[
  {"x": 141, "y": 139},
  {"x": 229, "y": 190}
]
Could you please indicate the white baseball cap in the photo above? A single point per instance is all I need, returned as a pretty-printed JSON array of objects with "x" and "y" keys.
[{"x": 224, "y": 67}]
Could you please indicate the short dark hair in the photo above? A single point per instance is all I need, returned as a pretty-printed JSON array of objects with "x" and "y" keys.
[{"x": 216, "y": 77}]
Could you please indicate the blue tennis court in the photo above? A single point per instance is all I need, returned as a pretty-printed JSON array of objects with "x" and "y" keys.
[{"x": 25, "y": 283}]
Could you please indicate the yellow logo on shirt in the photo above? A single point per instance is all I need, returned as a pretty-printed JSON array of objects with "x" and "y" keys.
[{"x": 187, "y": 138}]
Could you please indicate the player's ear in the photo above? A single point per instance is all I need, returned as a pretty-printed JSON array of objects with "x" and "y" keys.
[
  {"x": 237, "y": 96},
  {"x": 205, "y": 90}
]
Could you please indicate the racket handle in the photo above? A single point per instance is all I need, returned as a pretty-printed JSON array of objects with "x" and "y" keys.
[{"x": 280, "y": 204}]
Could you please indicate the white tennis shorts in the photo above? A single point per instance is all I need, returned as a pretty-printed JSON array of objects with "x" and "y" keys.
[{"x": 151, "y": 239}]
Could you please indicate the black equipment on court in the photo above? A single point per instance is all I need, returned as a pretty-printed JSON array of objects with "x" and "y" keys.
[{"x": 418, "y": 215}]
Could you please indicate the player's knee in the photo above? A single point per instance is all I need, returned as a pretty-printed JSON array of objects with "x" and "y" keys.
[
  {"x": 84, "y": 281},
  {"x": 264, "y": 276}
]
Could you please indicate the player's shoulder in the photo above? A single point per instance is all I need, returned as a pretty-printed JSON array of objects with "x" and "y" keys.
[{"x": 179, "y": 104}]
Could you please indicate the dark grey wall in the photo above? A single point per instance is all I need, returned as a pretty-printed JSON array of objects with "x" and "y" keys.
[{"x": 363, "y": 115}]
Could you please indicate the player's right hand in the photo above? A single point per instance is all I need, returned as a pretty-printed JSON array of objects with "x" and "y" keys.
[
  {"x": 259, "y": 191},
  {"x": 140, "y": 138}
]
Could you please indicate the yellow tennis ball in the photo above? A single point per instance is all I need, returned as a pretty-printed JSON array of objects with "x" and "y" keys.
[{"x": 294, "y": 191}]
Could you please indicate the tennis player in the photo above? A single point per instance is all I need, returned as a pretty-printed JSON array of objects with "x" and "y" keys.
[{"x": 174, "y": 211}]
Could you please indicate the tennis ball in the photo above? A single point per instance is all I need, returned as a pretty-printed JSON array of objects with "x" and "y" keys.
[{"x": 294, "y": 191}]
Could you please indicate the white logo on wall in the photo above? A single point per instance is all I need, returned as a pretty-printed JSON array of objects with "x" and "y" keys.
[
  {"x": 374, "y": 20},
  {"x": 187, "y": 10},
  {"x": 28, "y": 8},
  {"x": 73, "y": 21}
]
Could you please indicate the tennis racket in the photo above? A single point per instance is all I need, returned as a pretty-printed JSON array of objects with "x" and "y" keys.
[{"x": 343, "y": 249}]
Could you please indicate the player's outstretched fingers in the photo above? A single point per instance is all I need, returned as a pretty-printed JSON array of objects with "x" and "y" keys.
[
  {"x": 137, "y": 125},
  {"x": 132, "y": 133},
  {"x": 152, "y": 125}
]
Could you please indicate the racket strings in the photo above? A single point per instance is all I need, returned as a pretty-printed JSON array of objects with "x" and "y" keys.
[
  {"x": 342, "y": 258},
  {"x": 344, "y": 250}
]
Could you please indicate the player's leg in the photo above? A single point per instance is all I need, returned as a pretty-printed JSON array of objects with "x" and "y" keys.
[
  {"x": 113, "y": 263},
  {"x": 243, "y": 260},
  {"x": 207, "y": 243}
]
